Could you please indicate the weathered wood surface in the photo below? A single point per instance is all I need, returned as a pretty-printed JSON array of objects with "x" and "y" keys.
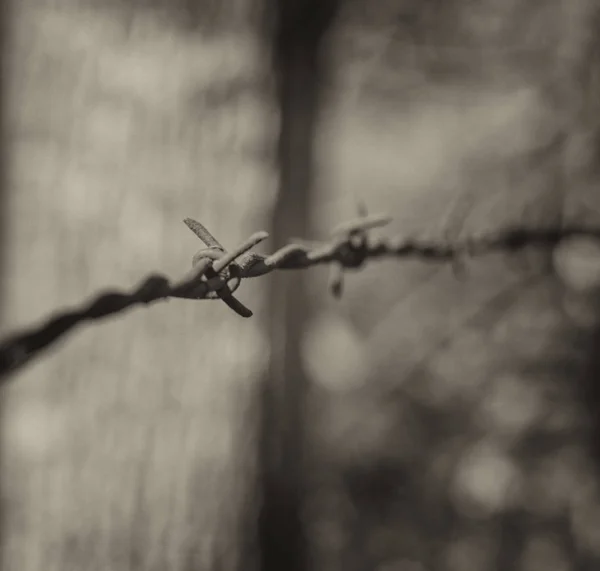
[{"x": 126, "y": 447}]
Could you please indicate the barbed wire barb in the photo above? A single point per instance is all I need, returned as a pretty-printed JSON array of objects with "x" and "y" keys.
[{"x": 217, "y": 273}]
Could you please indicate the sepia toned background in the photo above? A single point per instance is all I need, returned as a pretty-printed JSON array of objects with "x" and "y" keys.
[{"x": 451, "y": 420}]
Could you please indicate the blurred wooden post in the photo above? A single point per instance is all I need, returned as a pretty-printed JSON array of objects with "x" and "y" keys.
[
  {"x": 299, "y": 29},
  {"x": 121, "y": 447}
]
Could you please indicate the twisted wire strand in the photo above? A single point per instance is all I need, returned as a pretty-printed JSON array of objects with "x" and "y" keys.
[{"x": 217, "y": 274}]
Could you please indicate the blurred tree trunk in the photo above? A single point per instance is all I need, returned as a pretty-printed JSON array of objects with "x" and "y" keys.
[{"x": 299, "y": 30}]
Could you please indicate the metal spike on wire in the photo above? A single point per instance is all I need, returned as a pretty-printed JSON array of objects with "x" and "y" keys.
[
  {"x": 217, "y": 273},
  {"x": 353, "y": 245},
  {"x": 224, "y": 274}
]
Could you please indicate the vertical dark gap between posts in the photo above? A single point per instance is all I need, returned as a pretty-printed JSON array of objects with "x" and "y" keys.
[
  {"x": 297, "y": 29},
  {"x": 590, "y": 84}
]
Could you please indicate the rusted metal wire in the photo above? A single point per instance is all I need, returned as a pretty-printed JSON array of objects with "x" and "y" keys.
[{"x": 217, "y": 273}]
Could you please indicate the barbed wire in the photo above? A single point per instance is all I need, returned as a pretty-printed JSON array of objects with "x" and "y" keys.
[{"x": 217, "y": 273}]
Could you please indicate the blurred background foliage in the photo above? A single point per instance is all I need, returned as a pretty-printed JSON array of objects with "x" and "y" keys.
[{"x": 451, "y": 422}]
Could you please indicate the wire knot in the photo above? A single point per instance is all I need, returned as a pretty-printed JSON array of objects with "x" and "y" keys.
[
  {"x": 352, "y": 249},
  {"x": 220, "y": 273},
  {"x": 219, "y": 283}
]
